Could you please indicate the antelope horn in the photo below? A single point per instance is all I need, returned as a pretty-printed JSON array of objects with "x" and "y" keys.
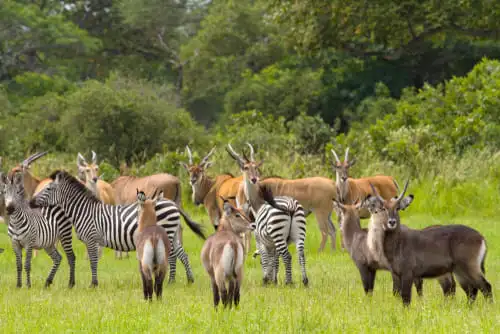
[
  {"x": 28, "y": 161},
  {"x": 346, "y": 158},
  {"x": 190, "y": 155},
  {"x": 400, "y": 197},
  {"x": 336, "y": 156},
  {"x": 375, "y": 192},
  {"x": 154, "y": 194},
  {"x": 94, "y": 157},
  {"x": 234, "y": 155},
  {"x": 205, "y": 159},
  {"x": 252, "y": 152}
]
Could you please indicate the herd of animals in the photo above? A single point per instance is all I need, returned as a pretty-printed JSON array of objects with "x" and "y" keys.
[{"x": 143, "y": 214}]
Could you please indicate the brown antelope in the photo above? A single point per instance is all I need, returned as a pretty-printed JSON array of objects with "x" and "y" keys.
[
  {"x": 355, "y": 242},
  {"x": 125, "y": 189},
  {"x": 89, "y": 175},
  {"x": 207, "y": 190},
  {"x": 313, "y": 193},
  {"x": 415, "y": 254},
  {"x": 32, "y": 184},
  {"x": 153, "y": 246},
  {"x": 223, "y": 256}
]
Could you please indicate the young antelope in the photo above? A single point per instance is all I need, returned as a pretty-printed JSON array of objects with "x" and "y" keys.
[{"x": 223, "y": 255}]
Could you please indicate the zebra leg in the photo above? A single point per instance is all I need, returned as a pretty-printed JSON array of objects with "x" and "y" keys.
[
  {"x": 19, "y": 263},
  {"x": 67, "y": 245},
  {"x": 172, "y": 263},
  {"x": 27, "y": 265},
  {"x": 267, "y": 264},
  {"x": 276, "y": 266},
  {"x": 302, "y": 261},
  {"x": 282, "y": 250},
  {"x": 93, "y": 257},
  {"x": 181, "y": 254},
  {"x": 56, "y": 258}
]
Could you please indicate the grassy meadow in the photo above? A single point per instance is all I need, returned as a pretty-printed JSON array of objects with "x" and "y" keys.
[{"x": 334, "y": 302}]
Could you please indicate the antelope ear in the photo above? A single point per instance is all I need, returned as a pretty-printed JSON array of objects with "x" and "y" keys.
[
  {"x": 372, "y": 203},
  {"x": 228, "y": 209},
  {"x": 185, "y": 165},
  {"x": 208, "y": 164},
  {"x": 338, "y": 206},
  {"x": 159, "y": 196},
  {"x": 405, "y": 202},
  {"x": 352, "y": 162}
]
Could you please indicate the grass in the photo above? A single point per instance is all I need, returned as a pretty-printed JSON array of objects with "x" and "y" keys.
[{"x": 334, "y": 302}]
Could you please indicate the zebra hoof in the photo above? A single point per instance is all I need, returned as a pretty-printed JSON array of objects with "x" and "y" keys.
[
  {"x": 18, "y": 285},
  {"x": 290, "y": 283},
  {"x": 190, "y": 280},
  {"x": 47, "y": 284},
  {"x": 306, "y": 282},
  {"x": 93, "y": 285},
  {"x": 171, "y": 281},
  {"x": 71, "y": 285}
]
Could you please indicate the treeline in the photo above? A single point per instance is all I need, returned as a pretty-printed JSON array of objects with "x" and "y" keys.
[{"x": 137, "y": 80}]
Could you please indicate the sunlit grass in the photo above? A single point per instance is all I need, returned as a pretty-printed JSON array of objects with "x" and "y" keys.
[{"x": 334, "y": 302}]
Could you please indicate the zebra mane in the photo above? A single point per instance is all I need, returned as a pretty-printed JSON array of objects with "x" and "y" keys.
[{"x": 74, "y": 183}]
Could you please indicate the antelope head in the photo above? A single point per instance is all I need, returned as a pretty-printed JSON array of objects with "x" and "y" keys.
[
  {"x": 387, "y": 211},
  {"x": 249, "y": 167},
  {"x": 342, "y": 173},
  {"x": 235, "y": 217},
  {"x": 24, "y": 166},
  {"x": 88, "y": 173},
  {"x": 146, "y": 213},
  {"x": 196, "y": 173}
]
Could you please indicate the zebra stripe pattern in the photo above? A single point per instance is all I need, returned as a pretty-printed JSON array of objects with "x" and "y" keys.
[
  {"x": 37, "y": 229},
  {"x": 274, "y": 230},
  {"x": 113, "y": 226}
]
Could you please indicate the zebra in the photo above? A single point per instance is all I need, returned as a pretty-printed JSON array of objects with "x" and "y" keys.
[
  {"x": 278, "y": 222},
  {"x": 36, "y": 229},
  {"x": 113, "y": 226}
]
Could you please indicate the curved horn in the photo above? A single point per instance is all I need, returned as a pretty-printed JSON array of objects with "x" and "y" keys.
[
  {"x": 375, "y": 192},
  {"x": 28, "y": 161},
  {"x": 94, "y": 158},
  {"x": 400, "y": 197},
  {"x": 154, "y": 194},
  {"x": 190, "y": 155},
  {"x": 346, "y": 157},
  {"x": 80, "y": 159},
  {"x": 252, "y": 152},
  {"x": 205, "y": 159},
  {"x": 336, "y": 156},
  {"x": 234, "y": 155}
]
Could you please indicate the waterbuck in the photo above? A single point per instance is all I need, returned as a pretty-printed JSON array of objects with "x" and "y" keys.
[
  {"x": 356, "y": 243},
  {"x": 89, "y": 175},
  {"x": 208, "y": 190},
  {"x": 223, "y": 256},
  {"x": 153, "y": 246},
  {"x": 313, "y": 193},
  {"x": 414, "y": 254},
  {"x": 125, "y": 189}
]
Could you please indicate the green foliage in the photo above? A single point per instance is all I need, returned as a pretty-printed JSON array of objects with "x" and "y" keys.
[
  {"x": 124, "y": 119},
  {"x": 311, "y": 133}
]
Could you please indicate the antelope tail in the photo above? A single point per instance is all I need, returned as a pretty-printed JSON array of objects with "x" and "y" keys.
[{"x": 195, "y": 227}]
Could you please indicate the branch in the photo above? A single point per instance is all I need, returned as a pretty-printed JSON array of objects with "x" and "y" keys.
[
  {"x": 494, "y": 34},
  {"x": 166, "y": 47}
]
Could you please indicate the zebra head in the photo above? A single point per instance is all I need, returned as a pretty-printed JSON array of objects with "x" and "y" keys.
[
  {"x": 13, "y": 190},
  {"x": 49, "y": 195}
]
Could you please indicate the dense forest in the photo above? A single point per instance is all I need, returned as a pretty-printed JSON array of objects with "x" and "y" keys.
[{"x": 403, "y": 83}]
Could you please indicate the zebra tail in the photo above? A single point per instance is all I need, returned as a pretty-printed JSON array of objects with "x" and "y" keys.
[
  {"x": 195, "y": 227},
  {"x": 267, "y": 195}
]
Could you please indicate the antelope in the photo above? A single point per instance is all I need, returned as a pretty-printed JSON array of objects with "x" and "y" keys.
[
  {"x": 356, "y": 243},
  {"x": 89, "y": 175},
  {"x": 313, "y": 193},
  {"x": 153, "y": 246},
  {"x": 223, "y": 256},
  {"x": 125, "y": 189},
  {"x": 32, "y": 184},
  {"x": 207, "y": 190},
  {"x": 415, "y": 254}
]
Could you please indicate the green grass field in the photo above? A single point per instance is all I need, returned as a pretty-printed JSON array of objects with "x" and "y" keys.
[{"x": 334, "y": 302}]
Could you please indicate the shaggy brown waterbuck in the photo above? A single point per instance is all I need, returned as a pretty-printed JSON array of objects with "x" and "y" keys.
[
  {"x": 355, "y": 242},
  {"x": 223, "y": 256},
  {"x": 153, "y": 246},
  {"x": 89, "y": 175},
  {"x": 313, "y": 193},
  {"x": 208, "y": 190},
  {"x": 413, "y": 254},
  {"x": 125, "y": 187}
]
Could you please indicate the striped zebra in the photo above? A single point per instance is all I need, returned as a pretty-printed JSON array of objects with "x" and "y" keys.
[
  {"x": 113, "y": 226},
  {"x": 279, "y": 221},
  {"x": 36, "y": 229}
]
